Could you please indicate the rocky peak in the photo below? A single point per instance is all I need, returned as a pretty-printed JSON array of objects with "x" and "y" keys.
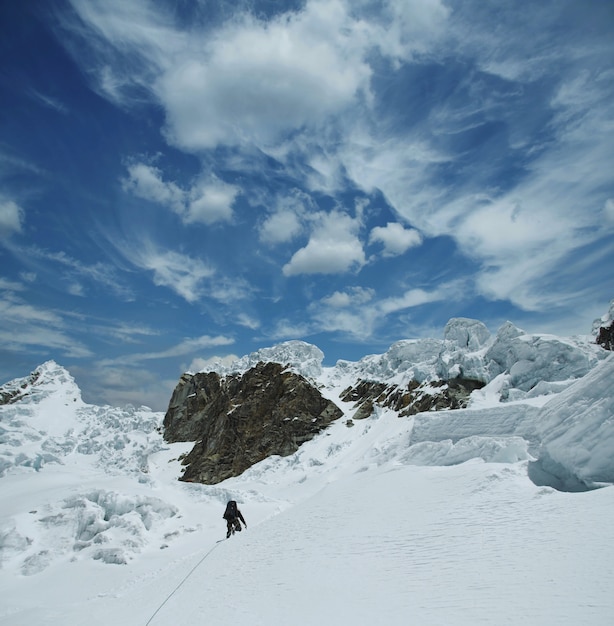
[{"x": 238, "y": 420}]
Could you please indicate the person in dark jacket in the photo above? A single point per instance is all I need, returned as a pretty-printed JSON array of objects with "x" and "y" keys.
[{"x": 232, "y": 515}]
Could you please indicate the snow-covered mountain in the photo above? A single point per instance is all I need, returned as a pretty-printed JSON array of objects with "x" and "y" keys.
[{"x": 486, "y": 514}]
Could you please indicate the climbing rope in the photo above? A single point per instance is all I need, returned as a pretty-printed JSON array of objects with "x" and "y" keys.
[{"x": 172, "y": 593}]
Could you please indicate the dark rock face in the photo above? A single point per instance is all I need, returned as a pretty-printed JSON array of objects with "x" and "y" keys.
[
  {"x": 605, "y": 337},
  {"x": 238, "y": 421},
  {"x": 11, "y": 393},
  {"x": 414, "y": 398}
]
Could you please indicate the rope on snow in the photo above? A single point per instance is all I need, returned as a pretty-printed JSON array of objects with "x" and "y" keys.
[{"x": 172, "y": 593}]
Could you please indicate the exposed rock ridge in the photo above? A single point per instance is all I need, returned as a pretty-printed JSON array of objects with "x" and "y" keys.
[
  {"x": 240, "y": 419},
  {"x": 412, "y": 398}
]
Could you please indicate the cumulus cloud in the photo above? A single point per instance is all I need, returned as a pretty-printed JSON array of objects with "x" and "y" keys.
[
  {"x": 252, "y": 81},
  {"x": 210, "y": 201},
  {"x": 395, "y": 238},
  {"x": 207, "y": 201},
  {"x": 333, "y": 247},
  {"x": 355, "y": 296}
]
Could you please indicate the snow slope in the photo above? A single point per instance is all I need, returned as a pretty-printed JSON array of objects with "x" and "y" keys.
[{"x": 435, "y": 519}]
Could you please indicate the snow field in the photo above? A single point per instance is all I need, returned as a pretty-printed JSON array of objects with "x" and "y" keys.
[
  {"x": 427, "y": 520},
  {"x": 474, "y": 543}
]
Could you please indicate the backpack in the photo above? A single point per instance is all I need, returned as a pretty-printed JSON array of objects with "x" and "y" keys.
[{"x": 231, "y": 510}]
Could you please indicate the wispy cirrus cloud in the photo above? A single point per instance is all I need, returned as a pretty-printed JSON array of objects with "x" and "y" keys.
[
  {"x": 49, "y": 101},
  {"x": 31, "y": 329},
  {"x": 178, "y": 272},
  {"x": 74, "y": 276},
  {"x": 186, "y": 347},
  {"x": 358, "y": 313}
]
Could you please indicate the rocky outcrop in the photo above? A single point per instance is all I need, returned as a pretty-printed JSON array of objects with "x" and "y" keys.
[
  {"x": 239, "y": 420},
  {"x": 603, "y": 329},
  {"x": 411, "y": 399},
  {"x": 605, "y": 337}
]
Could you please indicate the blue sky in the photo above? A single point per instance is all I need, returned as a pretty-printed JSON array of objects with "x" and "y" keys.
[{"x": 189, "y": 180}]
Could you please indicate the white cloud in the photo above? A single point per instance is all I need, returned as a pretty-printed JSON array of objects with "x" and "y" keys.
[
  {"x": 48, "y": 101},
  {"x": 227, "y": 289},
  {"x": 286, "y": 329},
  {"x": 26, "y": 328},
  {"x": 10, "y": 285},
  {"x": 395, "y": 238},
  {"x": 247, "y": 321},
  {"x": 288, "y": 218},
  {"x": 125, "y": 332},
  {"x": 412, "y": 27},
  {"x": 74, "y": 272},
  {"x": 409, "y": 299},
  {"x": 145, "y": 181},
  {"x": 301, "y": 88},
  {"x": 11, "y": 217},
  {"x": 181, "y": 273},
  {"x": 117, "y": 384},
  {"x": 358, "y": 313},
  {"x": 280, "y": 227},
  {"x": 333, "y": 247},
  {"x": 253, "y": 81},
  {"x": 209, "y": 200},
  {"x": 28, "y": 277},
  {"x": 186, "y": 347},
  {"x": 355, "y": 296}
]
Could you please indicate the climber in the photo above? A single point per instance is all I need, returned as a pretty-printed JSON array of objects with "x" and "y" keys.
[{"x": 232, "y": 515}]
